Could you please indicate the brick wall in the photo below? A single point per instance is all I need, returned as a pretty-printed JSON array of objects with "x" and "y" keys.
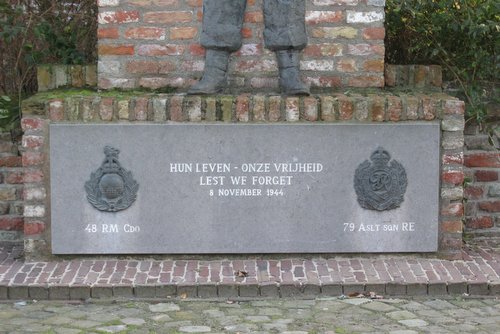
[
  {"x": 482, "y": 193},
  {"x": 155, "y": 43},
  {"x": 244, "y": 108},
  {"x": 11, "y": 190}
]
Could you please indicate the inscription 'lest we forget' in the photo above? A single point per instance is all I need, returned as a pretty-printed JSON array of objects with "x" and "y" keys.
[
  {"x": 217, "y": 191},
  {"x": 275, "y": 175}
]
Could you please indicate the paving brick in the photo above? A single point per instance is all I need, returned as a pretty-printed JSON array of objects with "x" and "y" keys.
[
  {"x": 437, "y": 289},
  {"x": 248, "y": 290},
  {"x": 349, "y": 288},
  {"x": 59, "y": 292},
  {"x": 79, "y": 292},
  {"x": 311, "y": 290},
  {"x": 457, "y": 288},
  {"x": 478, "y": 288},
  {"x": 416, "y": 289},
  {"x": 227, "y": 290},
  {"x": 17, "y": 292},
  {"x": 166, "y": 290},
  {"x": 395, "y": 289},
  {"x": 331, "y": 289},
  {"x": 493, "y": 287},
  {"x": 378, "y": 288},
  {"x": 4, "y": 292},
  {"x": 38, "y": 292},
  {"x": 101, "y": 291},
  {"x": 290, "y": 290},
  {"x": 145, "y": 291},
  {"x": 269, "y": 290},
  {"x": 207, "y": 291},
  {"x": 187, "y": 290}
]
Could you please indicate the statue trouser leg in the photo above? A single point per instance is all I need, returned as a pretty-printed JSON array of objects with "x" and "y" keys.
[
  {"x": 221, "y": 35},
  {"x": 285, "y": 33}
]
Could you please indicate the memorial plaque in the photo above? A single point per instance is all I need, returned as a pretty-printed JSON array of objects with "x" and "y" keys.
[{"x": 253, "y": 188}]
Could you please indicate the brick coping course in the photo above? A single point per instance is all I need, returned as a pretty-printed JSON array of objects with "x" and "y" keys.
[{"x": 477, "y": 274}]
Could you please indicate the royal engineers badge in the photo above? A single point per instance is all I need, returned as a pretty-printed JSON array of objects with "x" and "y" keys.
[
  {"x": 379, "y": 185},
  {"x": 111, "y": 187}
]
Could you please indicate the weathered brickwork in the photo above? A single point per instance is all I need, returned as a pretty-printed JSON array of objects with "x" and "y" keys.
[
  {"x": 414, "y": 76},
  {"x": 482, "y": 191},
  {"x": 155, "y": 43},
  {"x": 160, "y": 108},
  {"x": 11, "y": 190},
  {"x": 56, "y": 76}
]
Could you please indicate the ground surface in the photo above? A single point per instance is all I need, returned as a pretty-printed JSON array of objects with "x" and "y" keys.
[{"x": 327, "y": 315}]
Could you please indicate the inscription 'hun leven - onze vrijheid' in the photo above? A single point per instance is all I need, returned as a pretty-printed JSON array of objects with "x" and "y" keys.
[{"x": 274, "y": 176}]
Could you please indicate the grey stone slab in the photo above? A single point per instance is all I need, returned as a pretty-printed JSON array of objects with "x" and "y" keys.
[
  {"x": 191, "y": 199},
  {"x": 59, "y": 292},
  {"x": 17, "y": 292},
  {"x": 79, "y": 292}
]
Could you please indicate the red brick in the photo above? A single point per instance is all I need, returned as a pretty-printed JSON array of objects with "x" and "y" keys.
[
  {"x": 56, "y": 110},
  {"x": 453, "y": 209},
  {"x": 479, "y": 222},
  {"x": 33, "y": 228},
  {"x": 376, "y": 65},
  {"x": 32, "y": 142},
  {"x": 145, "y": 33},
  {"x": 483, "y": 160},
  {"x": 106, "y": 109},
  {"x": 119, "y": 17},
  {"x": 108, "y": 33},
  {"x": 246, "y": 32},
  {"x": 493, "y": 206},
  {"x": 346, "y": 108},
  {"x": 32, "y": 158},
  {"x": 394, "y": 108},
  {"x": 13, "y": 161},
  {"x": 455, "y": 226},
  {"x": 454, "y": 158},
  {"x": 323, "y": 50},
  {"x": 196, "y": 50},
  {"x": 14, "y": 178},
  {"x": 33, "y": 176},
  {"x": 453, "y": 177},
  {"x": 32, "y": 124},
  {"x": 254, "y": 17},
  {"x": 323, "y": 16},
  {"x": 160, "y": 50},
  {"x": 183, "y": 33},
  {"x": 8, "y": 223},
  {"x": 367, "y": 81},
  {"x": 141, "y": 109},
  {"x": 172, "y": 17},
  {"x": 116, "y": 50},
  {"x": 486, "y": 175},
  {"x": 473, "y": 192},
  {"x": 374, "y": 33},
  {"x": 454, "y": 107},
  {"x": 377, "y": 109},
  {"x": 242, "y": 108}
]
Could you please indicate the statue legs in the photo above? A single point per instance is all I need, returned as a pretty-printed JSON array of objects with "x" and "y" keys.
[{"x": 284, "y": 33}]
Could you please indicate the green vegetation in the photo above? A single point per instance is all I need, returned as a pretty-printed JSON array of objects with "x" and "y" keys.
[
  {"x": 463, "y": 36},
  {"x": 41, "y": 31}
]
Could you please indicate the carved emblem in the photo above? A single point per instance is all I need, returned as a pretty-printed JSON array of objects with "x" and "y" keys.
[
  {"x": 111, "y": 187},
  {"x": 379, "y": 185}
]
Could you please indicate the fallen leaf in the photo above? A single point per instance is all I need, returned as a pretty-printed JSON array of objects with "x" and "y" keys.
[
  {"x": 241, "y": 273},
  {"x": 183, "y": 295},
  {"x": 356, "y": 295}
]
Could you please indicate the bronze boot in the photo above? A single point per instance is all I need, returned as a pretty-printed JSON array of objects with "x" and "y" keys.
[
  {"x": 289, "y": 67},
  {"x": 214, "y": 77}
]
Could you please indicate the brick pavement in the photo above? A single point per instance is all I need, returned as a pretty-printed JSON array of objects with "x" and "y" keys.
[{"x": 477, "y": 274}]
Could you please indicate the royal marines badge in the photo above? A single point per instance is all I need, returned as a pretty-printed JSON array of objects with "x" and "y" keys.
[
  {"x": 379, "y": 185},
  {"x": 111, "y": 187}
]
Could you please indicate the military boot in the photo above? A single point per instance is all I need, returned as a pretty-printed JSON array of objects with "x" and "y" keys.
[
  {"x": 288, "y": 64},
  {"x": 214, "y": 78}
]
